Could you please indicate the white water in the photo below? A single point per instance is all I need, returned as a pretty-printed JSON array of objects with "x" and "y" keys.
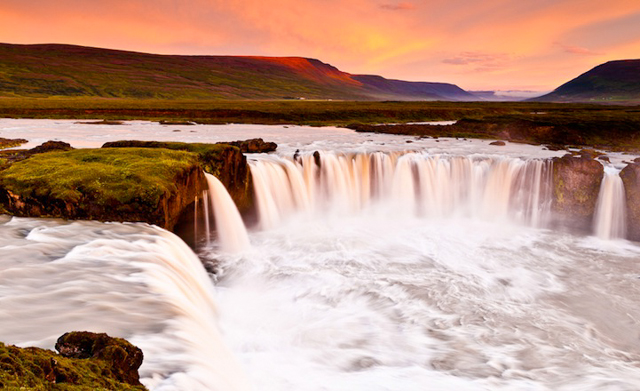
[
  {"x": 611, "y": 210},
  {"x": 232, "y": 234},
  {"x": 411, "y": 184},
  {"x": 129, "y": 280},
  {"x": 354, "y": 281}
]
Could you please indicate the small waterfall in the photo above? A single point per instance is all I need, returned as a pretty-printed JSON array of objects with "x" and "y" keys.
[
  {"x": 419, "y": 184},
  {"x": 610, "y": 217},
  {"x": 230, "y": 228}
]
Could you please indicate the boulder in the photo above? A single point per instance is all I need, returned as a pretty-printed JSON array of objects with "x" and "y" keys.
[
  {"x": 498, "y": 143},
  {"x": 576, "y": 185},
  {"x": 254, "y": 145},
  {"x": 122, "y": 358},
  {"x": 631, "y": 178}
]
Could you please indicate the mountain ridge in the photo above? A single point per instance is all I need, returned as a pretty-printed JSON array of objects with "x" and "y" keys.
[
  {"x": 71, "y": 70},
  {"x": 613, "y": 81}
]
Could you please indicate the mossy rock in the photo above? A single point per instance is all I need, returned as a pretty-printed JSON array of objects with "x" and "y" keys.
[
  {"x": 41, "y": 369},
  {"x": 133, "y": 184}
]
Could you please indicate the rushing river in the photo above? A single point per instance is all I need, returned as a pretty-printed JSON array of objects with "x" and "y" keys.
[{"x": 399, "y": 264}]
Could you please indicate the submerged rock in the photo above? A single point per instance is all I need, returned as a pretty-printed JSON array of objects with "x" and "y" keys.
[
  {"x": 498, "y": 143},
  {"x": 576, "y": 185},
  {"x": 630, "y": 176}
]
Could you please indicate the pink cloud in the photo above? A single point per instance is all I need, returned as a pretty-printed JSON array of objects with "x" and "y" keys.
[
  {"x": 404, "y": 6},
  {"x": 578, "y": 50}
]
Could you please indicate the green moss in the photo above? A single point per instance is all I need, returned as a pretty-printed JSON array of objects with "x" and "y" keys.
[
  {"x": 105, "y": 176},
  {"x": 40, "y": 369}
]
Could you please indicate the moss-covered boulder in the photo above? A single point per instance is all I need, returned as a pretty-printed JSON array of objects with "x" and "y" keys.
[
  {"x": 631, "y": 178},
  {"x": 87, "y": 361},
  {"x": 133, "y": 184},
  {"x": 254, "y": 145},
  {"x": 576, "y": 185}
]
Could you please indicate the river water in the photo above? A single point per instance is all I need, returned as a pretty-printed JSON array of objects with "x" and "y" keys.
[{"x": 341, "y": 285}]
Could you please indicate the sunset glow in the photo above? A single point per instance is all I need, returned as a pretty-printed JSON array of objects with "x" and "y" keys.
[{"x": 490, "y": 44}]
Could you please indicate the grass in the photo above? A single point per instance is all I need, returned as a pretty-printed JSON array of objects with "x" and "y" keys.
[{"x": 102, "y": 176}]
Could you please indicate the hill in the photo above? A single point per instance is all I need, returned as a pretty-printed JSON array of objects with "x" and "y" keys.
[
  {"x": 67, "y": 70},
  {"x": 614, "y": 81}
]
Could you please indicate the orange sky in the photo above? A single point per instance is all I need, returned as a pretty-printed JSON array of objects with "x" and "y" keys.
[{"x": 477, "y": 44}]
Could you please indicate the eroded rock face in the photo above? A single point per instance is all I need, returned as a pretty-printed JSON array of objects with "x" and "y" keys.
[
  {"x": 123, "y": 358},
  {"x": 576, "y": 185},
  {"x": 631, "y": 178}
]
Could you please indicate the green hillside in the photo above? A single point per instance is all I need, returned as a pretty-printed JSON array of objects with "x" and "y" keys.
[
  {"x": 614, "y": 81},
  {"x": 65, "y": 70}
]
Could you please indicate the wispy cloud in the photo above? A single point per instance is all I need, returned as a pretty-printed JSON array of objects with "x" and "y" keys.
[
  {"x": 403, "y": 6},
  {"x": 483, "y": 62},
  {"x": 578, "y": 50}
]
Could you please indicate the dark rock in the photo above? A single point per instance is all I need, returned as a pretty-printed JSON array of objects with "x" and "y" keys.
[
  {"x": 498, "y": 143},
  {"x": 10, "y": 143},
  {"x": 123, "y": 357},
  {"x": 555, "y": 147},
  {"x": 604, "y": 158},
  {"x": 296, "y": 156},
  {"x": 254, "y": 145},
  {"x": 576, "y": 185},
  {"x": 316, "y": 158},
  {"x": 631, "y": 178},
  {"x": 175, "y": 123},
  {"x": 50, "y": 146}
]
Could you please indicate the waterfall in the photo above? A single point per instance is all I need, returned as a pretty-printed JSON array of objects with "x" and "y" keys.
[
  {"x": 610, "y": 217},
  {"x": 419, "y": 184},
  {"x": 133, "y": 281},
  {"x": 232, "y": 234}
]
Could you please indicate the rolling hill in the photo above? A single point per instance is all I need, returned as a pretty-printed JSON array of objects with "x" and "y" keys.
[
  {"x": 67, "y": 70},
  {"x": 614, "y": 81}
]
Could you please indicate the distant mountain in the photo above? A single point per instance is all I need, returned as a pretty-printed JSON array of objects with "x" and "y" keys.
[
  {"x": 614, "y": 81},
  {"x": 67, "y": 70},
  {"x": 506, "y": 95}
]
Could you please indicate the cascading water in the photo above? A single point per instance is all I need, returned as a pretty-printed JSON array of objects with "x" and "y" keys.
[
  {"x": 610, "y": 217},
  {"x": 129, "y": 280},
  {"x": 231, "y": 233},
  {"x": 406, "y": 183}
]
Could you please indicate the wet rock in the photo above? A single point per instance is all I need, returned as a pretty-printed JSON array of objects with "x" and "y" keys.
[
  {"x": 631, "y": 178},
  {"x": 254, "y": 145},
  {"x": 175, "y": 123},
  {"x": 604, "y": 158},
  {"x": 10, "y": 143},
  {"x": 102, "y": 122},
  {"x": 123, "y": 358},
  {"x": 498, "y": 143},
  {"x": 316, "y": 159},
  {"x": 576, "y": 185}
]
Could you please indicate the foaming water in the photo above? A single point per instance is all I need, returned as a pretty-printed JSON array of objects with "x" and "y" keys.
[
  {"x": 611, "y": 210},
  {"x": 129, "y": 280},
  {"x": 382, "y": 302}
]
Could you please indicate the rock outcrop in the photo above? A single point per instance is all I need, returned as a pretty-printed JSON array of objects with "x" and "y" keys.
[
  {"x": 152, "y": 186},
  {"x": 576, "y": 185},
  {"x": 10, "y": 143},
  {"x": 254, "y": 145},
  {"x": 631, "y": 178},
  {"x": 87, "y": 361}
]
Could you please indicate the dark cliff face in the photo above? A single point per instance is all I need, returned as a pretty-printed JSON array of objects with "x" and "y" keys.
[
  {"x": 631, "y": 178},
  {"x": 576, "y": 185}
]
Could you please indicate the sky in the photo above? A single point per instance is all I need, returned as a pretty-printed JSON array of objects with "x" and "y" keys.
[{"x": 531, "y": 45}]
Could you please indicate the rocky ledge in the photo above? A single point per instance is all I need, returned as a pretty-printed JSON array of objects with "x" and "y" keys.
[
  {"x": 576, "y": 185},
  {"x": 85, "y": 361},
  {"x": 631, "y": 178}
]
